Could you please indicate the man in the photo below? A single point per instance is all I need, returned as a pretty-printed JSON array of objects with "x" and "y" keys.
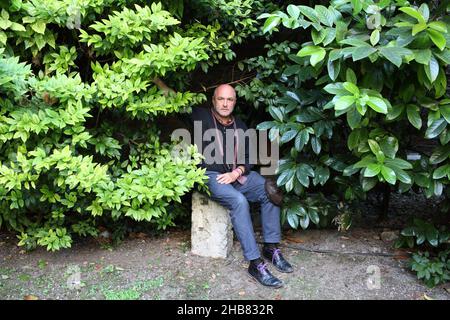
[{"x": 233, "y": 184}]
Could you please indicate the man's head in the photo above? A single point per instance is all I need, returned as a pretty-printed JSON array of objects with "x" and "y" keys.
[{"x": 224, "y": 100}]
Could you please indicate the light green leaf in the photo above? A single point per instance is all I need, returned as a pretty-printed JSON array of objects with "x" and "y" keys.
[
  {"x": 377, "y": 104},
  {"x": 344, "y": 102},
  {"x": 271, "y": 23},
  {"x": 388, "y": 174},
  {"x": 437, "y": 38},
  {"x": 39, "y": 27},
  {"x": 413, "y": 13},
  {"x": 422, "y": 56},
  {"x": 372, "y": 170},
  {"x": 375, "y": 37},
  {"x": 317, "y": 54},
  {"x": 439, "y": 26},
  {"x": 350, "y": 87},
  {"x": 293, "y": 11}
]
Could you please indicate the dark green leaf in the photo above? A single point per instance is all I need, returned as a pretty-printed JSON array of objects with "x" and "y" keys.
[{"x": 436, "y": 127}]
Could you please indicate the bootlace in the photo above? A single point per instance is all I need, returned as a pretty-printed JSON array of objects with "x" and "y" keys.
[
  {"x": 262, "y": 267},
  {"x": 276, "y": 254}
]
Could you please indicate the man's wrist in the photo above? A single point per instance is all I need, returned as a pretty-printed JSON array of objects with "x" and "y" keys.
[{"x": 236, "y": 173}]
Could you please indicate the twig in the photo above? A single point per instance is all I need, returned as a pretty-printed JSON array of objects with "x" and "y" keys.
[{"x": 236, "y": 81}]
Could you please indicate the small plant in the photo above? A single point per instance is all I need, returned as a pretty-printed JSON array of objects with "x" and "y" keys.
[
  {"x": 432, "y": 271},
  {"x": 422, "y": 232}
]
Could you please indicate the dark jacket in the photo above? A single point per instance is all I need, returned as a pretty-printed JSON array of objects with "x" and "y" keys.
[{"x": 205, "y": 116}]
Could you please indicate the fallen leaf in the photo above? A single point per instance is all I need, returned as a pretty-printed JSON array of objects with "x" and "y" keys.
[
  {"x": 345, "y": 238},
  {"x": 242, "y": 293},
  {"x": 277, "y": 297},
  {"x": 30, "y": 297},
  {"x": 294, "y": 239},
  {"x": 4, "y": 277}
]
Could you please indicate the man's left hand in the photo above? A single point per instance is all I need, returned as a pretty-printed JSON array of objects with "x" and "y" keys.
[{"x": 227, "y": 178}]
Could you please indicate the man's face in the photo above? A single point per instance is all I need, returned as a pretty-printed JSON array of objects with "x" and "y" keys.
[{"x": 224, "y": 101}]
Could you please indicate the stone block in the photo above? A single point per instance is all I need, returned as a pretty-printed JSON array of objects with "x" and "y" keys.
[{"x": 211, "y": 233}]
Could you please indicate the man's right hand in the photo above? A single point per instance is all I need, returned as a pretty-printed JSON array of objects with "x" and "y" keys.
[{"x": 227, "y": 178}]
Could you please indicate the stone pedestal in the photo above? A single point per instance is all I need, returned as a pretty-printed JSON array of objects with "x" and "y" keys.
[{"x": 211, "y": 233}]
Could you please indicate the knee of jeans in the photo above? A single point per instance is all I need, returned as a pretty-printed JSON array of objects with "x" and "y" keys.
[{"x": 240, "y": 201}]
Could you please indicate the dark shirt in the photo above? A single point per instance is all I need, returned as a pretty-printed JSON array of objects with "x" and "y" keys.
[{"x": 205, "y": 116}]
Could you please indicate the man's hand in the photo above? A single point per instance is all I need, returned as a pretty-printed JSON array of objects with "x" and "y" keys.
[{"x": 227, "y": 178}]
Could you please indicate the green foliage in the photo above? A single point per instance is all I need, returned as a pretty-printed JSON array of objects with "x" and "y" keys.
[
  {"x": 80, "y": 111},
  {"x": 433, "y": 271},
  {"x": 352, "y": 98},
  {"x": 421, "y": 232}
]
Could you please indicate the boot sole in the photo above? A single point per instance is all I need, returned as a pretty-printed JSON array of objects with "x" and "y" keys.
[{"x": 262, "y": 285}]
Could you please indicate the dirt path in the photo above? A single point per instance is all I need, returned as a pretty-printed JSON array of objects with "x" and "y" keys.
[{"x": 164, "y": 268}]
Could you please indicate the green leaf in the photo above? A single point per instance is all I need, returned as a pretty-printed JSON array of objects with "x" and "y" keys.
[
  {"x": 441, "y": 172},
  {"x": 369, "y": 183},
  {"x": 304, "y": 221},
  {"x": 3, "y": 38},
  {"x": 292, "y": 219},
  {"x": 413, "y": 13},
  {"x": 357, "y": 6},
  {"x": 350, "y": 87},
  {"x": 301, "y": 139},
  {"x": 440, "y": 154},
  {"x": 324, "y": 15},
  {"x": 316, "y": 145},
  {"x": 317, "y": 54},
  {"x": 376, "y": 150},
  {"x": 344, "y": 102},
  {"x": 333, "y": 67},
  {"x": 418, "y": 28},
  {"x": 445, "y": 112},
  {"x": 276, "y": 113},
  {"x": 389, "y": 146},
  {"x": 265, "y": 125},
  {"x": 354, "y": 118},
  {"x": 271, "y": 23},
  {"x": 413, "y": 115},
  {"x": 350, "y": 76},
  {"x": 439, "y": 26},
  {"x": 302, "y": 177},
  {"x": 314, "y": 216},
  {"x": 437, "y": 38},
  {"x": 377, "y": 104},
  {"x": 375, "y": 37},
  {"x": 435, "y": 129},
  {"x": 402, "y": 176},
  {"x": 423, "y": 56},
  {"x": 394, "y": 54},
  {"x": 288, "y": 136},
  {"x": 285, "y": 176},
  {"x": 388, "y": 174},
  {"x": 432, "y": 69},
  {"x": 372, "y": 170},
  {"x": 293, "y": 11},
  {"x": 39, "y": 27}
]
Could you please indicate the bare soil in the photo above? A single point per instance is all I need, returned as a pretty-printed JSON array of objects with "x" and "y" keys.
[{"x": 328, "y": 265}]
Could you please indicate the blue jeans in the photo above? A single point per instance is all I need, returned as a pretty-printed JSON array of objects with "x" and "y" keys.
[{"x": 235, "y": 198}]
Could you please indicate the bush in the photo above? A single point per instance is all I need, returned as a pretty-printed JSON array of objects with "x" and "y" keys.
[
  {"x": 359, "y": 101},
  {"x": 80, "y": 109}
]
